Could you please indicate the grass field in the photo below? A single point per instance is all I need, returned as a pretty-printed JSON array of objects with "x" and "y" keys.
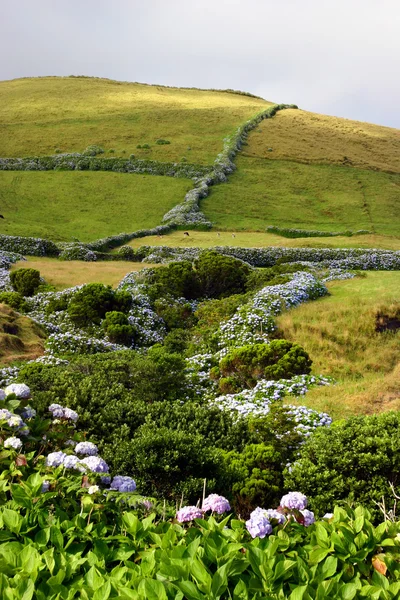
[
  {"x": 40, "y": 115},
  {"x": 256, "y": 239},
  {"x": 265, "y": 192},
  {"x": 339, "y": 333},
  {"x": 20, "y": 337},
  {"x": 84, "y": 205},
  {"x": 65, "y": 274},
  {"x": 311, "y": 138}
]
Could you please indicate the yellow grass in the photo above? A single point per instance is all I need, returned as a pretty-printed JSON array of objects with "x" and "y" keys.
[
  {"x": 65, "y": 274},
  {"x": 311, "y": 138},
  {"x": 38, "y": 115},
  {"x": 339, "y": 334},
  {"x": 20, "y": 338},
  {"x": 254, "y": 239}
]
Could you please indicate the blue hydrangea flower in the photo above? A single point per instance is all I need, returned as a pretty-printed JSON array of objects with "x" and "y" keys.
[
  {"x": 121, "y": 483},
  {"x": 57, "y": 411},
  {"x": 28, "y": 413},
  {"x": 216, "y": 503},
  {"x": 19, "y": 389},
  {"x": 70, "y": 414},
  {"x": 71, "y": 461},
  {"x": 294, "y": 500},
  {"x": 95, "y": 464},
  {"x": 86, "y": 448},
  {"x": 258, "y": 525},
  {"x": 45, "y": 486}
]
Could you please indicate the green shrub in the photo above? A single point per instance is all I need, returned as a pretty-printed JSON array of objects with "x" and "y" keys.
[
  {"x": 167, "y": 463},
  {"x": 254, "y": 477},
  {"x": 177, "y": 340},
  {"x": 352, "y": 461},
  {"x": 220, "y": 275},
  {"x": 162, "y": 142},
  {"x": 259, "y": 278},
  {"x": 177, "y": 279},
  {"x": 280, "y": 359},
  {"x": 25, "y": 281},
  {"x": 176, "y": 315},
  {"x": 117, "y": 328},
  {"x": 13, "y": 299},
  {"x": 90, "y": 304}
]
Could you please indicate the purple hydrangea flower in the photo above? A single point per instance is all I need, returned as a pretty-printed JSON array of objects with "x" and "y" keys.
[
  {"x": 271, "y": 513},
  {"x": 258, "y": 525},
  {"x": 147, "y": 504},
  {"x": 13, "y": 442},
  {"x": 188, "y": 513},
  {"x": 308, "y": 517},
  {"x": 95, "y": 464},
  {"x": 105, "y": 480},
  {"x": 121, "y": 483},
  {"x": 55, "y": 459},
  {"x": 86, "y": 448},
  {"x": 216, "y": 503},
  {"x": 2, "y": 395},
  {"x": 19, "y": 389},
  {"x": 294, "y": 500},
  {"x": 71, "y": 461},
  {"x": 45, "y": 486},
  {"x": 71, "y": 443}
]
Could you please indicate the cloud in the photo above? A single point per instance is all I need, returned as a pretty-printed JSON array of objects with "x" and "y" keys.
[{"x": 330, "y": 56}]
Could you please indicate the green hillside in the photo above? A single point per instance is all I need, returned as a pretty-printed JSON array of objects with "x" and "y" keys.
[
  {"x": 41, "y": 115},
  {"x": 64, "y": 206},
  {"x": 308, "y": 171}
]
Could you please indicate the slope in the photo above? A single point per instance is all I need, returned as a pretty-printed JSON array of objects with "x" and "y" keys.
[
  {"x": 39, "y": 116},
  {"x": 301, "y": 170}
]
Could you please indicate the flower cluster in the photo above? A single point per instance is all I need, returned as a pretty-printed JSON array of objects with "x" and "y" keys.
[
  {"x": 216, "y": 503},
  {"x": 28, "y": 245},
  {"x": 121, "y": 483},
  {"x": 60, "y": 412},
  {"x": 188, "y": 513},
  {"x": 292, "y": 506}
]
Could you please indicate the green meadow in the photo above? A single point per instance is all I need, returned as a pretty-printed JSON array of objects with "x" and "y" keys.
[
  {"x": 264, "y": 192},
  {"x": 84, "y": 206}
]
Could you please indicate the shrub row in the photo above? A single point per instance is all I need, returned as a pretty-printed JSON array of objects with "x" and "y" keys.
[
  {"x": 188, "y": 212},
  {"x": 28, "y": 245},
  {"x": 300, "y": 233},
  {"x": 82, "y": 162}
]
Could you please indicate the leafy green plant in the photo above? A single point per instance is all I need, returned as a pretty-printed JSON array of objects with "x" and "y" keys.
[
  {"x": 117, "y": 328},
  {"x": 13, "y": 299},
  {"x": 90, "y": 304}
]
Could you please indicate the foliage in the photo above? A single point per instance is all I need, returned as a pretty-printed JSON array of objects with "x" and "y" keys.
[
  {"x": 353, "y": 461},
  {"x": 177, "y": 279},
  {"x": 176, "y": 315},
  {"x": 25, "y": 281},
  {"x": 116, "y": 327},
  {"x": 220, "y": 275},
  {"x": 91, "y": 303},
  {"x": 302, "y": 233},
  {"x": 279, "y": 359},
  {"x": 253, "y": 476},
  {"x": 13, "y": 299}
]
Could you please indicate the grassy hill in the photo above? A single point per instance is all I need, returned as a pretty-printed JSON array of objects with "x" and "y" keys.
[
  {"x": 339, "y": 332},
  {"x": 41, "y": 115},
  {"x": 63, "y": 206},
  {"x": 308, "y": 171}
]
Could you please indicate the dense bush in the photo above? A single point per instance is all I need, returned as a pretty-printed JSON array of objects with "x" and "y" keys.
[
  {"x": 220, "y": 275},
  {"x": 176, "y": 315},
  {"x": 13, "y": 299},
  {"x": 117, "y": 328},
  {"x": 25, "y": 281},
  {"x": 353, "y": 461},
  {"x": 177, "y": 279},
  {"x": 90, "y": 304},
  {"x": 243, "y": 367},
  {"x": 253, "y": 477}
]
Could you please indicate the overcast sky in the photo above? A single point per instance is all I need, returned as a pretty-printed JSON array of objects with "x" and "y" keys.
[{"x": 338, "y": 57}]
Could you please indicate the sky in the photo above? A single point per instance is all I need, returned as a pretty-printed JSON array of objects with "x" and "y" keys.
[{"x": 336, "y": 57}]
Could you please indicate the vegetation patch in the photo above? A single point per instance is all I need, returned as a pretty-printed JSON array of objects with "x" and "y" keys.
[
  {"x": 84, "y": 206},
  {"x": 20, "y": 337}
]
